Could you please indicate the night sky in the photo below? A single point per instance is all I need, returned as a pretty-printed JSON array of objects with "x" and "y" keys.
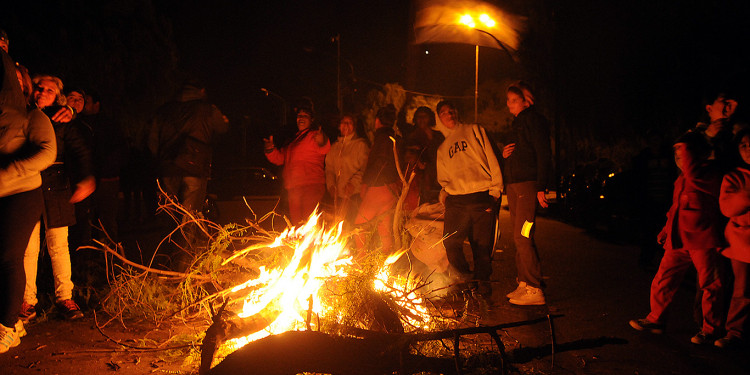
[{"x": 605, "y": 70}]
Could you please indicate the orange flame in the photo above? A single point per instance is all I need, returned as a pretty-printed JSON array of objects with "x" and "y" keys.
[{"x": 283, "y": 296}]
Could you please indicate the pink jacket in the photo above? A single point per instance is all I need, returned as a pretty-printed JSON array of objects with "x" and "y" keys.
[
  {"x": 695, "y": 204},
  {"x": 735, "y": 204},
  {"x": 303, "y": 160}
]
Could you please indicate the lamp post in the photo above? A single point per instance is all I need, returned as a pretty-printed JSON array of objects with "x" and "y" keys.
[
  {"x": 283, "y": 103},
  {"x": 339, "y": 102},
  {"x": 488, "y": 22}
]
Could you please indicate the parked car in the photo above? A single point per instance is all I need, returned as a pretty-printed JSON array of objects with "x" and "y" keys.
[{"x": 601, "y": 198}]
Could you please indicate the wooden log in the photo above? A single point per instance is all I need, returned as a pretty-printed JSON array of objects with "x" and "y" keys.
[{"x": 299, "y": 351}]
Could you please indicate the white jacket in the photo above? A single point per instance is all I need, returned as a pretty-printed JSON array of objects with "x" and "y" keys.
[
  {"x": 345, "y": 163},
  {"x": 466, "y": 162}
]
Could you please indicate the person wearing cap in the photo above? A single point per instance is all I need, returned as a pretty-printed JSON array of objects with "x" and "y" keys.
[
  {"x": 471, "y": 180},
  {"x": 692, "y": 236},
  {"x": 381, "y": 184},
  {"x": 303, "y": 160}
]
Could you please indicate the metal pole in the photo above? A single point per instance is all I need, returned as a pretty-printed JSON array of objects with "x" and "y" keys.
[
  {"x": 339, "y": 103},
  {"x": 476, "y": 84}
]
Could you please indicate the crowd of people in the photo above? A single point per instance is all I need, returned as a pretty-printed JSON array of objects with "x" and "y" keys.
[
  {"x": 459, "y": 167},
  {"x": 707, "y": 227},
  {"x": 60, "y": 165},
  {"x": 61, "y": 161}
]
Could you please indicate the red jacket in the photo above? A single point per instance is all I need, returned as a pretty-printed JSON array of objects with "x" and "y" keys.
[
  {"x": 303, "y": 160},
  {"x": 735, "y": 204},
  {"x": 694, "y": 221}
]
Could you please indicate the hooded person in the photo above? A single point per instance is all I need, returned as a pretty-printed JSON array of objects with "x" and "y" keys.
[{"x": 27, "y": 146}]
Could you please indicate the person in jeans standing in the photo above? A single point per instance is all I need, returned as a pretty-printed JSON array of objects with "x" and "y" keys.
[
  {"x": 526, "y": 170},
  {"x": 469, "y": 173},
  {"x": 67, "y": 181}
]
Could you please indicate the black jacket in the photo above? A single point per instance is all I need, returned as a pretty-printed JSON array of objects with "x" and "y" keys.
[
  {"x": 531, "y": 159},
  {"x": 72, "y": 165},
  {"x": 381, "y": 164}
]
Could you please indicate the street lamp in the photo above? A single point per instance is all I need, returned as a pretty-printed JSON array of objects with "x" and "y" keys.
[
  {"x": 485, "y": 20},
  {"x": 283, "y": 103}
]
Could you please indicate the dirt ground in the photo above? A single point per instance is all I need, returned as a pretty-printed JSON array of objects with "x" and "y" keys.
[{"x": 594, "y": 288}]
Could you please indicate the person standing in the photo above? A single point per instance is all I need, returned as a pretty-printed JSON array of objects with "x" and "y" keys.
[
  {"x": 734, "y": 201},
  {"x": 345, "y": 164},
  {"x": 67, "y": 181},
  {"x": 181, "y": 137},
  {"x": 381, "y": 183},
  {"x": 691, "y": 236},
  {"x": 27, "y": 146},
  {"x": 421, "y": 152},
  {"x": 471, "y": 180},
  {"x": 303, "y": 159},
  {"x": 526, "y": 169}
]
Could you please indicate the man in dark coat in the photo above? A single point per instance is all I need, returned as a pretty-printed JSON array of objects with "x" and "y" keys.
[{"x": 181, "y": 135}]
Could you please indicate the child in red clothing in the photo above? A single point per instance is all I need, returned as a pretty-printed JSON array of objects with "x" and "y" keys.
[
  {"x": 734, "y": 201},
  {"x": 692, "y": 235}
]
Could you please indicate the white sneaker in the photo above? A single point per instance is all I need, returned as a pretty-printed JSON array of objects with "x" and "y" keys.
[
  {"x": 519, "y": 291},
  {"x": 532, "y": 296},
  {"x": 8, "y": 338},
  {"x": 20, "y": 329}
]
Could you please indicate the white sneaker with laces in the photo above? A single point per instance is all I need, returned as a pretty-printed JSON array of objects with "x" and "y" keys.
[
  {"x": 519, "y": 291},
  {"x": 531, "y": 297},
  {"x": 8, "y": 338}
]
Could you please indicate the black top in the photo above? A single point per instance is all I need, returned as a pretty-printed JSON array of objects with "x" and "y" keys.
[{"x": 531, "y": 159}]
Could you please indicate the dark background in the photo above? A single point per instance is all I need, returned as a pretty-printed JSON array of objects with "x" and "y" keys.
[{"x": 606, "y": 73}]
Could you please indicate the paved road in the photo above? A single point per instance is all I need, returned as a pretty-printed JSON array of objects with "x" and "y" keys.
[{"x": 598, "y": 288}]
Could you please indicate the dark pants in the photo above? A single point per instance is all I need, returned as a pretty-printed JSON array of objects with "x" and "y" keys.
[
  {"x": 18, "y": 215},
  {"x": 522, "y": 205},
  {"x": 472, "y": 216}
]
